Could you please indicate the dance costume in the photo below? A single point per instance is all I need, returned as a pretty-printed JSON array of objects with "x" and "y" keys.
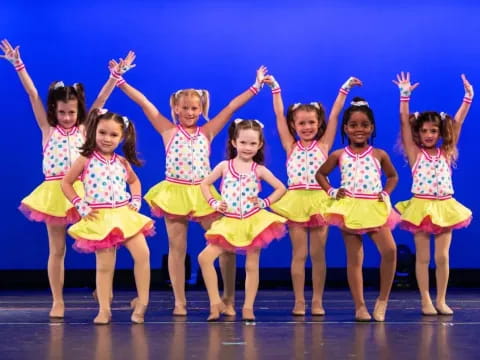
[
  {"x": 105, "y": 192},
  {"x": 47, "y": 203},
  {"x": 305, "y": 201},
  {"x": 245, "y": 226},
  {"x": 361, "y": 211},
  {"x": 432, "y": 209},
  {"x": 187, "y": 164}
]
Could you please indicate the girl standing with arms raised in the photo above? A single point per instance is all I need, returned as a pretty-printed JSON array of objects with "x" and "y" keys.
[
  {"x": 109, "y": 213},
  {"x": 178, "y": 198},
  {"x": 361, "y": 205},
  {"x": 305, "y": 200},
  {"x": 430, "y": 143},
  {"x": 246, "y": 226},
  {"x": 63, "y": 132}
]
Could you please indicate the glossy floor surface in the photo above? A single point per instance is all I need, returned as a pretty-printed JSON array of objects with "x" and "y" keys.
[{"x": 27, "y": 333}]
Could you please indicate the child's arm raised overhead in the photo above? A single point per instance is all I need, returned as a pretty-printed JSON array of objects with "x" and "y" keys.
[
  {"x": 286, "y": 137},
  {"x": 325, "y": 169},
  {"x": 115, "y": 78},
  {"x": 463, "y": 109},
  {"x": 331, "y": 129},
  {"x": 216, "y": 173},
  {"x": 214, "y": 126},
  {"x": 13, "y": 55},
  {"x": 409, "y": 146}
]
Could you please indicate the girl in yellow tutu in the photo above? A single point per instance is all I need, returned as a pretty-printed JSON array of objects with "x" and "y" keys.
[
  {"x": 109, "y": 213},
  {"x": 361, "y": 205},
  {"x": 305, "y": 200},
  {"x": 63, "y": 132},
  {"x": 430, "y": 143},
  {"x": 245, "y": 227},
  {"x": 178, "y": 197}
]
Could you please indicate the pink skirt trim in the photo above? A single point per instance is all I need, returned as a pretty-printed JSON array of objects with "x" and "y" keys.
[
  {"x": 113, "y": 239},
  {"x": 314, "y": 221},
  {"x": 337, "y": 220},
  {"x": 274, "y": 231},
  {"x": 34, "y": 215},
  {"x": 427, "y": 226},
  {"x": 157, "y": 212}
]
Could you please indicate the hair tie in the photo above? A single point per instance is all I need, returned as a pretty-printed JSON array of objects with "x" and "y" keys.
[
  {"x": 126, "y": 122},
  {"x": 259, "y": 123},
  {"x": 315, "y": 104},
  {"x": 416, "y": 114},
  {"x": 178, "y": 92},
  {"x": 443, "y": 116},
  {"x": 237, "y": 121},
  {"x": 359, "y": 103},
  {"x": 102, "y": 111},
  {"x": 295, "y": 106},
  {"x": 58, "y": 84},
  {"x": 199, "y": 92}
]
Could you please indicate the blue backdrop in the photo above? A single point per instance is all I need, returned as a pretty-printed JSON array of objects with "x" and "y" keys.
[{"x": 311, "y": 48}]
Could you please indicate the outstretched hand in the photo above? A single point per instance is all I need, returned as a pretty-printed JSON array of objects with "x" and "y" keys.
[
  {"x": 10, "y": 53},
  {"x": 468, "y": 87},
  {"x": 123, "y": 65},
  {"x": 351, "y": 82},
  {"x": 404, "y": 85},
  {"x": 261, "y": 72}
]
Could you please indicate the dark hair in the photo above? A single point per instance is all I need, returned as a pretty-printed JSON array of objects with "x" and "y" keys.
[
  {"x": 129, "y": 137},
  {"x": 315, "y": 107},
  {"x": 444, "y": 122},
  {"x": 356, "y": 105},
  {"x": 59, "y": 92},
  {"x": 233, "y": 132}
]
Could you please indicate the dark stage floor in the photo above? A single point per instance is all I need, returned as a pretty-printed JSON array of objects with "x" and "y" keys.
[{"x": 27, "y": 333}]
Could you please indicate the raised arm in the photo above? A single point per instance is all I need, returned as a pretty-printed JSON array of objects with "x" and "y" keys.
[
  {"x": 13, "y": 55},
  {"x": 286, "y": 137},
  {"x": 463, "y": 109},
  {"x": 214, "y": 126},
  {"x": 331, "y": 130},
  {"x": 278, "y": 188},
  {"x": 409, "y": 146}
]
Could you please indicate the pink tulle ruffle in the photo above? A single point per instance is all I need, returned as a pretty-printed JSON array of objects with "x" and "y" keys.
[
  {"x": 113, "y": 239},
  {"x": 337, "y": 220},
  {"x": 34, "y": 215},
  {"x": 157, "y": 212},
  {"x": 314, "y": 221},
  {"x": 427, "y": 226},
  {"x": 274, "y": 231}
]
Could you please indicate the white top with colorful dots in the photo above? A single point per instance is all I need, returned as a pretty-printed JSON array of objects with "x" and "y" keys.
[
  {"x": 361, "y": 174},
  {"x": 239, "y": 191},
  {"x": 432, "y": 176},
  {"x": 105, "y": 182},
  {"x": 60, "y": 151},
  {"x": 302, "y": 165},
  {"x": 187, "y": 157}
]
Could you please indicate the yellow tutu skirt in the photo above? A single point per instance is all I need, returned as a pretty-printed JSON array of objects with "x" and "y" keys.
[
  {"x": 110, "y": 228},
  {"x": 241, "y": 235},
  {"x": 361, "y": 216},
  {"x": 48, "y": 204},
  {"x": 303, "y": 207},
  {"x": 174, "y": 201},
  {"x": 433, "y": 216}
]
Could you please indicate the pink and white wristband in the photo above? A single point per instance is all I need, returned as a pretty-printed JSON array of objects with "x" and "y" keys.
[
  {"x": 136, "y": 202},
  {"x": 81, "y": 206}
]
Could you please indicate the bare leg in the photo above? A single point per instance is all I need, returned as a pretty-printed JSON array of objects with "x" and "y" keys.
[
  {"x": 354, "y": 246},
  {"x": 105, "y": 270},
  {"x": 299, "y": 239},
  {"x": 442, "y": 248},
  {"x": 388, "y": 251},
  {"x": 422, "y": 249},
  {"x": 56, "y": 267},
  {"x": 206, "y": 259},
  {"x": 318, "y": 240},
  {"x": 177, "y": 250},
  {"x": 228, "y": 270},
  {"x": 251, "y": 283}
]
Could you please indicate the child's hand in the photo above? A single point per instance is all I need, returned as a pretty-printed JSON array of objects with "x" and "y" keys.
[
  {"x": 220, "y": 206},
  {"x": 383, "y": 196},
  {"x": 351, "y": 82},
  {"x": 468, "y": 90},
  {"x": 273, "y": 83},
  {"x": 257, "y": 85},
  {"x": 257, "y": 202},
  {"x": 12, "y": 54},
  {"x": 92, "y": 215},
  {"x": 135, "y": 203},
  {"x": 336, "y": 193},
  {"x": 403, "y": 83}
]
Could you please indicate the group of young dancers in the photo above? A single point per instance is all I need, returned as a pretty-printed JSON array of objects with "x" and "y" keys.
[{"x": 86, "y": 185}]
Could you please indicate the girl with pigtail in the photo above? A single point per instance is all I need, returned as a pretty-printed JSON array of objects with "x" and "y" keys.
[
  {"x": 307, "y": 139},
  {"x": 62, "y": 125},
  {"x": 109, "y": 213},
  {"x": 178, "y": 198},
  {"x": 429, "y": 141}
]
